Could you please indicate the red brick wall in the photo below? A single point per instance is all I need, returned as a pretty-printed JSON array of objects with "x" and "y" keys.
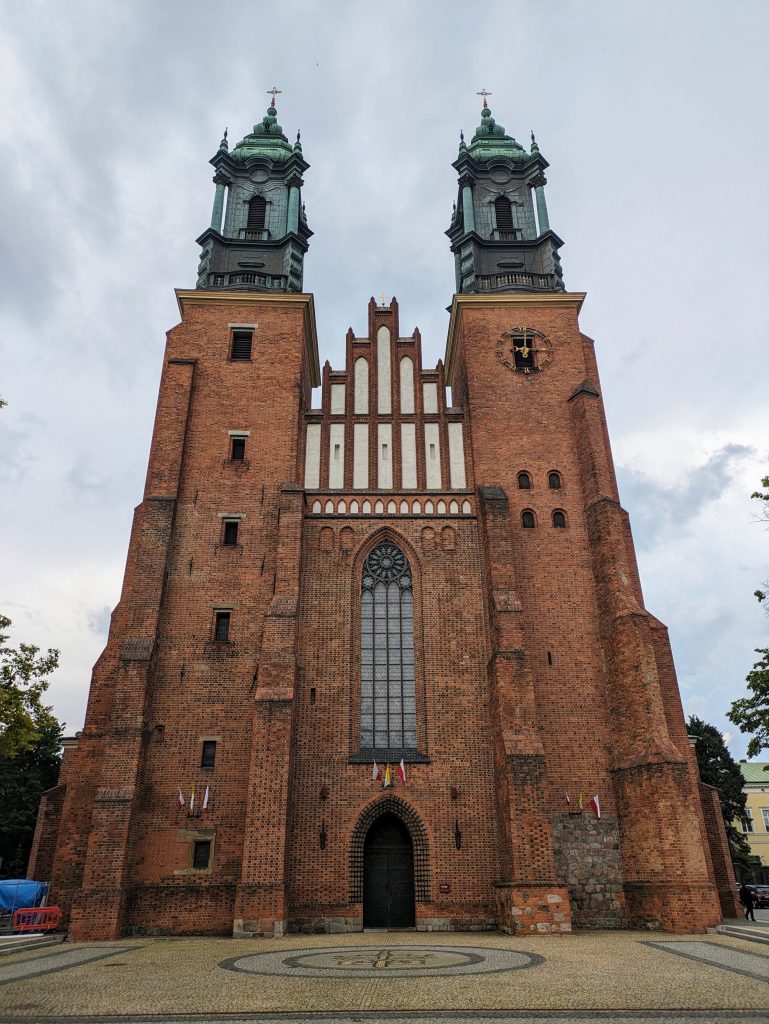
[{"x": 539, "y": 672}]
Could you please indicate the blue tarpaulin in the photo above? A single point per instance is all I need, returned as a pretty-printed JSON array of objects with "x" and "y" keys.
[{"x": 19, "y": 892}]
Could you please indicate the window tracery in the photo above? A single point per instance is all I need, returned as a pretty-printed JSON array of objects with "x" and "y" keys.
[{"x": 387, "y": 675}]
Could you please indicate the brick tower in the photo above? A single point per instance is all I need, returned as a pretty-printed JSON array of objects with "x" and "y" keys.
[{"x": 314, "y": 596}]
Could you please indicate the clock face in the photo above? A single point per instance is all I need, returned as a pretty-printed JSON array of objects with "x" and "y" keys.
[{"x": 524, "y": 350}]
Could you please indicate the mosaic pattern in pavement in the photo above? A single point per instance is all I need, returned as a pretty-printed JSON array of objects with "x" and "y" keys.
[
  {"x": 383, "y": 962},
  {"x": 752, "y": 965},
  {"x": 34, "y": 966}
]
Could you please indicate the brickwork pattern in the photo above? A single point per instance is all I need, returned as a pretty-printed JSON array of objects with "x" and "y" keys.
[{"x": 539, "y": 671}]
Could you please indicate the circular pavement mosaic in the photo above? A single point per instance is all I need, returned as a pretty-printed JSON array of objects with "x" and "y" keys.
[{"x": 383, "y": 961}]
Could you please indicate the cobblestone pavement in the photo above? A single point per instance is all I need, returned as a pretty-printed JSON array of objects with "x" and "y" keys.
[{"x": 396, "y": 977}]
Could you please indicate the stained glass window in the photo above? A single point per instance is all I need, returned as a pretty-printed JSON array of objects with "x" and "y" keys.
[{"x": 388, "y": 719}]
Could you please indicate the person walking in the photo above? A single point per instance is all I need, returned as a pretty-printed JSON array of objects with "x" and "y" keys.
[{"x": 746, "y": 899}]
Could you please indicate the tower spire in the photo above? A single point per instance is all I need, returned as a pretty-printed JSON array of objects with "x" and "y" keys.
[
  {"x": 259, "y": 233},
  {"x": 500, "y": 234}
]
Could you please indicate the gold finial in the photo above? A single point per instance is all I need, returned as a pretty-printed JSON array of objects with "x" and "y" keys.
[
  {"x": 274, "y": 91},
  {"x": 382, "y": 300},
  {"x": 484, "y": 94}
]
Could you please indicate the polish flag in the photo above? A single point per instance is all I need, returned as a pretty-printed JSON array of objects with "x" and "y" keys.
[
  {"x": 376, "y": 773},
  {"x": 401, "y": 770},
  {"x": 595, "y": 807},
  {"x": 205, "y": 800},
  {"x": 181, "y": 798}
]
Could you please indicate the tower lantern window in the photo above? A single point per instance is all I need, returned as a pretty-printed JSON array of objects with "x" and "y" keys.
[
  {"x": 257, "y": 210},
  {"x": 504, "y": 212}
]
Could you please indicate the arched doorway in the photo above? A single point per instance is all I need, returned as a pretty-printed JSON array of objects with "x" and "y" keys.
[{"x": 388, "y": 875}]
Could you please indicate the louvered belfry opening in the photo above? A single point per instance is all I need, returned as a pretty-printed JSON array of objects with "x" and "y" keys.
[
  {"x": 504, "y": 213},
  {"x": 257, "y": 211}
]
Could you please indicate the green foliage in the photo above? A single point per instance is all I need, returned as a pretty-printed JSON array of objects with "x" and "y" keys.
[
  {"x": 719, "y": 769},
  {"x": 30, "y": 738},
  {"x": 23, "y": 778},
  {"x": 761, "y": 595},
  {"x": 751, "y": 713},
  {"x": 23, "y": 681}
]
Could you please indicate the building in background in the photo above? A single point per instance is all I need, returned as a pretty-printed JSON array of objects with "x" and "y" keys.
[
  {"x": 755, "y": 824},
  {"x": 382, "y": 661}
]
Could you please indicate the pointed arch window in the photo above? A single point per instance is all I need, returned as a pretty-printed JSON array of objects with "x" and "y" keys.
[
  {"x": 257, "y": 211},
  {"x": 388, "y": 719}
]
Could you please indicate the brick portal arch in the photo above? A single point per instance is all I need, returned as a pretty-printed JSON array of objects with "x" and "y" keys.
[{"x": 391, "y": 805}]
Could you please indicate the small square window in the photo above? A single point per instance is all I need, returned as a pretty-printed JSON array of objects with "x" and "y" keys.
[
  {"x": 222, "y": 627},
  {"x": 241, "y": 344},
  {"x": 201, "y": 854},
  {"x": 230, "y": 538},
  {"x": 238, "y": 449},
  {"x": 208, "y": 755}
]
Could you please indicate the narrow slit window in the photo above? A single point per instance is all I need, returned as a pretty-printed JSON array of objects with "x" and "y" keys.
[
  {"x": 222, "y": 627},
  {"x": 230, "y": 538},
  {"x": 241, "y": 345},
  {"x": 237, "y": 449},
  {"x": 208, "y": 754},
  {"x": 201, "y": 854}
]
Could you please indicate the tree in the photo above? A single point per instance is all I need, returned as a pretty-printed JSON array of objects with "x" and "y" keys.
[
  {"x": 23, "y": 778},
  {"x": 763, "y": 514},
  {"x": 23, "y": 681},
  {"x": 30, "y": 738},
  {"x": 751, "y": 713},
  {"x": 719, "y": 769}
]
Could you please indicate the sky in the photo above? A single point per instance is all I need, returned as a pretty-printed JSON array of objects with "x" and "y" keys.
[{"x": 652, "y": 116}]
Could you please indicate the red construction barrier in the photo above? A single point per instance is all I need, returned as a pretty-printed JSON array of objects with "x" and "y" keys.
[{"x": 36, "y": 919}]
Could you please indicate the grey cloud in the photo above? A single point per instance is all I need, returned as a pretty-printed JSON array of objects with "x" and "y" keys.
[
  {"x": 655, "y": 508},
  {"x": 98, "y": 620}
]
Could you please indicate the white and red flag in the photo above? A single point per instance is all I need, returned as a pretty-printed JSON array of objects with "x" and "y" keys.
[
  {"x": 192, "y": 800},
  {"x": 568, "y": 800},
  {"x": 595, "y": 807},
  {"x": 181, "y": 797},
  {"x": 376, "y": 773},
  {"x": 205, "y": 800},
  {"x": 401, "y": 770}
]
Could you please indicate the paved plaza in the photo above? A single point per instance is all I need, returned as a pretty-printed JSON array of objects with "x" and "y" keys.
[{"x": 393, "y": 977}]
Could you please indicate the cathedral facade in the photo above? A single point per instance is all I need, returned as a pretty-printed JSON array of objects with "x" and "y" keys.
[{"x": 384, "y": 662}]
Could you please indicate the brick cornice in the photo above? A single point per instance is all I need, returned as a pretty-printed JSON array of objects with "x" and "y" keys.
[
  {"x": 459, "y": 302},
  {"x": 196, "y": 296}
]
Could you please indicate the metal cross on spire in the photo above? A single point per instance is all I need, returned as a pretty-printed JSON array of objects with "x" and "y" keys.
[
  {"x": 274, "y": 91},
  {"x": 484, "y": 94}
]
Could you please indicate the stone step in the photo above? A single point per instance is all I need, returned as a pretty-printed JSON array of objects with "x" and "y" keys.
[
  {"x": 33, "y": 940},
  {"x": 755, "y": 933}
]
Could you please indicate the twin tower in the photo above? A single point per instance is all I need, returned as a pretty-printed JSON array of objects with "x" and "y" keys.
[{"x": 315, "y": 595}]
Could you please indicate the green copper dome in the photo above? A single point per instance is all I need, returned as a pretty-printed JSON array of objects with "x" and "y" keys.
[
  {"x": 266, "y": 140},
  {"x": 490, "y": 141}
]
